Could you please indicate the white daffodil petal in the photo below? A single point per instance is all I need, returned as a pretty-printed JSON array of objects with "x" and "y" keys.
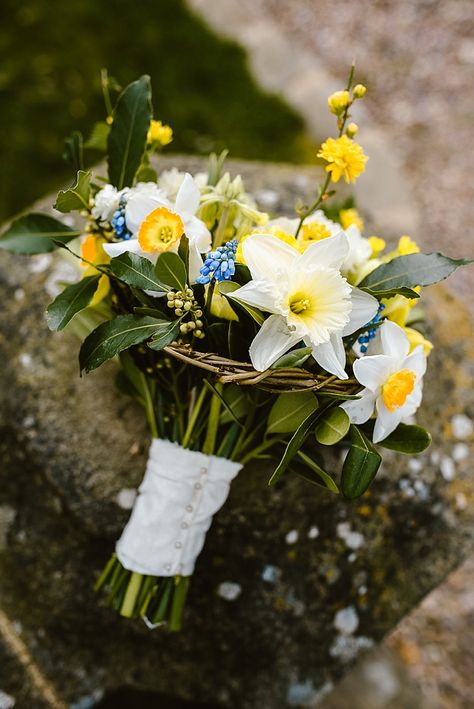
[
  {"x": 121, "y": 247},
  {"x": 195, "y": 262},
  {"x": 360, "y": 410},
  {"x": 331, "y": 356},
  {"x": 267, "y": 257},
  {"x": 330, "y": 252},
  {"x": 372, "y": 372},
  {"x": 140, "y": 204},
  {"x": 394, "y": 340},
  {"x": 285, "y": 224},
  {"x": 187, "y": 199},
  {"x": 387, "y": 421},
  {"x": 416, "y": 361},
  {"x": 198, "y": 232},
  {"x": 271, "y": 342},
  {"x": 259, "y": 294},
  {"x": 364, "y": 309}
]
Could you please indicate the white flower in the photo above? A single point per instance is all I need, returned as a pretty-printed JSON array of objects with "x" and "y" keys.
[
  {"x": 307, "y": 297},
  {"x": 106, "y": 202},
  {"x": 171, "y": 180},
  {"x": 393, "y": 382},
  {"x": 360, "y": 252},
  {"x": 157, "y": 225}
]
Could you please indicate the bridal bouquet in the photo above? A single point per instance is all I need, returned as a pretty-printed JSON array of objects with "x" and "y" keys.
[{"x": 243, "y": 337}]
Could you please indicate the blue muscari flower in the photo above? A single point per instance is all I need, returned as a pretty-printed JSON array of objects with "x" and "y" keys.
[
  {"x": 118, "y": 221},
  {"x": 366, "y": 338},
  {"x": 219, "y": 264}
]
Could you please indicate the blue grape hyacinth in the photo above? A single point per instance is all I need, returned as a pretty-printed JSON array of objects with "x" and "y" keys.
[
  {"x": 118, "y": 221},
  {"x": 365, "y": 339},
  {"x": 219, "y": 264}
]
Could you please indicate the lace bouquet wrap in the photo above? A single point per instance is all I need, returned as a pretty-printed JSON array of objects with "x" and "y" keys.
[{"x": 242, "y": 336}]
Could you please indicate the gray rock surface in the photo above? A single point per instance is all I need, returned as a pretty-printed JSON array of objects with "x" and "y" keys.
[{"x": 320, "y": 579}]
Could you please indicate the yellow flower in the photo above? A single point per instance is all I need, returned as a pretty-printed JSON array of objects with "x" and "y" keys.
[
  {"x": 376, "y": 244},
  {"x": 398, "y": 308},
  {"x": 352, "y": 129},
  {"x": 348, "y": 217},
  {"x": 92, "y": 250},
  {"x": 345, "y": 157},
  {"x": 338, "y": 102},
  {"x": 271, "y": 231},
  {"x": 160, "y": 230},
  {"x": 407, "y": 246},
  {"x": 397, "y": 388},
  {"x": 359, "y": 91},
  {"x": 314, "y": 231},
  {"x": 415, "y": 338},
  {"x": 159, "y": 133}
]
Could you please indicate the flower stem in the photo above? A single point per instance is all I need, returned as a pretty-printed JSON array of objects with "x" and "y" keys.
[{"x": 133, "y": 589}]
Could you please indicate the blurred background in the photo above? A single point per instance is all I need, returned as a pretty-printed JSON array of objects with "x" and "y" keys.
[{"x": 417, "y": 59}]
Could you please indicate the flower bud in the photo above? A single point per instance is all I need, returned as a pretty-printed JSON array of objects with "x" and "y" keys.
[
  {"x": 359, "y": 91},
  {"x": 338, "y": 102},
  {"x": 352, "y": 129}
]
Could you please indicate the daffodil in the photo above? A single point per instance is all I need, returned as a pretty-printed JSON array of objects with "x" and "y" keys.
[
  {"x": 308, "y": 298},
  {"x": 156, "y": 225},
  {"x": 393, "y": 381}
]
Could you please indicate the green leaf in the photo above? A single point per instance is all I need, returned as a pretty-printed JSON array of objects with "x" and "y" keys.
[
  {"x": 295, "y": 443},
  {"x": 360, "y": 466},
  {"x": 146, "y": 174},
  {"x": 114, "y": 336},
  {"x": 136, "y": 271},
  {"x": 128, "y": 134},
  {"x": 296, "y": 358},
  {"x": 77, "y": 196},
  {"x": 98, "y": 137},
  {"x": 36, "y": 234},
  {"x": 290, "y": 410},
  {"x": 410, "y": 271},
  {"x": 332, "y": 427},
  {"x": 73, "y": 153},
  {"x": 171, "y": 270},
  {"x": 165, "y": 333},
  {"x": 237, "y": 401},
  {"x": 74, "y": 298},
  {"x": 224, "y": 403},
  {"x": 313, "y": 473},
  {"x": 407, "y": 292},
  {"x": 407, "y": 439},
  {"x": 226, "y": 288}
]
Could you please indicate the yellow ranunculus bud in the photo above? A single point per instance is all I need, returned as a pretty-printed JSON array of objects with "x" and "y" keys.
[
  {"x": 338, "y": 102},
  {"x": 159, "y": 133},
  {"x": 376, "y": 244},
  {"x": 352, "y": 129},
  {"x": 359, "y": 91},
  {"x": 348, "y": 217},
  {"x": 415, "y": 338}
]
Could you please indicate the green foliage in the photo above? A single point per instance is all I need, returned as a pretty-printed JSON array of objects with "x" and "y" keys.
[
  {"x": 136, "y": 271},
  {"x": 409, "y": 439},
  {"x": 36, "y": 234},
  {"x": 360, "y": 466},
  {"x": 74, "y": 151},
  {"x": 77, "y": 196},
  {"x": 410, "y": 271},
  {"x": 73, "y": 299},
  {"x": 164, "y": 334},
  {"x": 309, "y": 470},
  {"x": 98, "y": 137},
  {"x": 390, "y": 292},
  {"x": 226, "y": 288},
  {"x": 114, "y": 336},
  {"x": 126, "y": 141},
  {"x": 171, "y": 271},
  {"x": 332, "y": 427},
  {"x": 296, "y": 358},
  {"x": 290, "y": 410}
]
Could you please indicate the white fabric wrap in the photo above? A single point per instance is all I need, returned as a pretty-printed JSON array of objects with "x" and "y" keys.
[{"x": 179, "y": 495}]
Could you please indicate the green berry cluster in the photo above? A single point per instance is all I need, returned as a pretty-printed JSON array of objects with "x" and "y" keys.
[{"x": 184, "y": 304}]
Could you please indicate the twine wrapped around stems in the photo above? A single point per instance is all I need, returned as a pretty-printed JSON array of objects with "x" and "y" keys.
[{"x": 279, "y": 381}]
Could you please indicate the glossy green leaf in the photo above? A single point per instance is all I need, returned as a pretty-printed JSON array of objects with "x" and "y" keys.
[
  {"x": 74, "y": 298},
  {"x": 136, "y": 271},
  {"x": 128, "y": 134},
  {"x": 297, "y": 440},
  {"x": 313, "y": 473},
  {"x": 290, "y": 410},
  {"x": 410, "y": 271},
  {"x": 171, "y": 270},
  {"x": 226, "y": 288},
  {"x": 407, "y": 439},
  {"x": 165, "y": 333},
  {"x": 296, "y": 358},
  {"x": 360, "y": 466},
  {"x": 73, "y": 151},
  {"x": 407, "y": 292},
  {"x": 332, "y": 426},
  {"x": 77, "y": 196},
  {"x": 36, "y": 234},
  {"x": 114, "y": 336},
  {"x": 237, "y": 401}
]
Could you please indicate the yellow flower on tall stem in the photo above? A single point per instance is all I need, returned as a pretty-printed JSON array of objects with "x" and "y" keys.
[{"x": 345, "y": 157}]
